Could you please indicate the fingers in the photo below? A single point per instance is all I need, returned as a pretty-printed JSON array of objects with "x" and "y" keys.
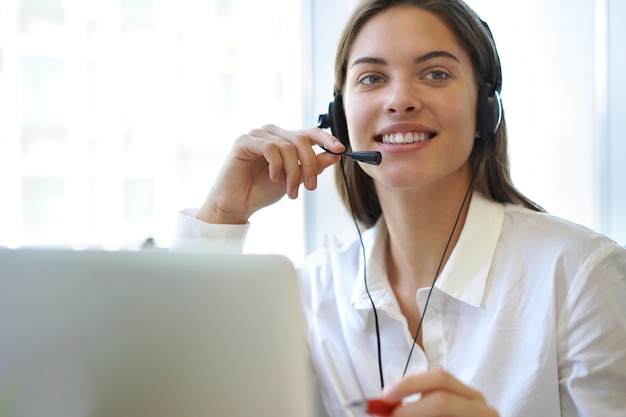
[
  {"x": 441, "y": 395},
  {"x": 290, "y": 155},
  {"x": 444, "y": 404},
  {"x": 262, "y": 167},
  {"x": 436, "y": 379}
]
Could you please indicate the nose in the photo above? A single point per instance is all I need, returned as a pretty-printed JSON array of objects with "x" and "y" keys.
[{"x": 402, "y": 99}]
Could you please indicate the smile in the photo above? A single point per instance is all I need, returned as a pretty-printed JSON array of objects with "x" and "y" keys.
[{"x": 408, "y": 137}]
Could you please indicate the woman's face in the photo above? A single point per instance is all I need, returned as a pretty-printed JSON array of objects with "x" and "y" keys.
[{"x": 410, "y": 93}]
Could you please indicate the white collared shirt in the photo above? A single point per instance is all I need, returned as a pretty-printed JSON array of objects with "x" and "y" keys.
[{"x": 529, "y": 309}]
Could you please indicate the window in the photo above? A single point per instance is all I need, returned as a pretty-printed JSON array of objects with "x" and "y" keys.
[{"x": 116, "y": 114}]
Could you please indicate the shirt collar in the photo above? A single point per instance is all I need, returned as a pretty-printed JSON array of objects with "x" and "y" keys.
[{"x": 464, "y": 276}]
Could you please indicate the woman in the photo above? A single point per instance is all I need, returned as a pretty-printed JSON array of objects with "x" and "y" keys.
[{"x": 463, "y": 298}]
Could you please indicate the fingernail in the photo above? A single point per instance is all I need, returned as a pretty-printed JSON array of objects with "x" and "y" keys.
[{"x": 311, "y": 182}]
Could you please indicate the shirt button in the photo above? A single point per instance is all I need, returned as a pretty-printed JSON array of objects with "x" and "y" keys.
[{"x": 431, "y": 312}]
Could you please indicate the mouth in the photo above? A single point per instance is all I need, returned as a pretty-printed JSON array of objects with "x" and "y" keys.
[{"x": 406, "y": 137}]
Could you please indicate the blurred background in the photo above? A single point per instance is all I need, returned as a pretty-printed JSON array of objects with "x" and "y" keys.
[{"x": 115, "y": 114}]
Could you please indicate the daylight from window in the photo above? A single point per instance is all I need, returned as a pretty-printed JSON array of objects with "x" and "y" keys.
[{"x": 116, "y": 114}]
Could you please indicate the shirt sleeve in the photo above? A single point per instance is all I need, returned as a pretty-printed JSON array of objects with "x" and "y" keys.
[
  {"x": 193, "y": 235},
  {"x": 592, "y": 337}
]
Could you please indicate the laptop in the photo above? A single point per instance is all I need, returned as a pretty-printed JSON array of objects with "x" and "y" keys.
[{"x": 150, "y": 334}]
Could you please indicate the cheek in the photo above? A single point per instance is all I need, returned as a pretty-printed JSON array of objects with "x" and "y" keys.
[
  {"x": 358, "y": 113},
  {"x": 460, "y": 114}
]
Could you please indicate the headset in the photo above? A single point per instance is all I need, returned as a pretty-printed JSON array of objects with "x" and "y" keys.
[
  {"x": 488, "y": 116},
  {"x": 335, "y": 119},
  {"x": 488, "y": 108}
]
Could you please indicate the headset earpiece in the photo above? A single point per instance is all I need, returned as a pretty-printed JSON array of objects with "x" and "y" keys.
[
  {"x": 489, "y": 111},
  {"x": 489, "y": 107},
  {"x": 336, "y": 121}
]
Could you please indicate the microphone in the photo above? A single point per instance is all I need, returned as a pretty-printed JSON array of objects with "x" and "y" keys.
[{"x": 369, "y": 157}]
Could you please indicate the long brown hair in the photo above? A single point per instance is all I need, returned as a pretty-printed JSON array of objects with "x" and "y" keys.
[{"x": 489, "y": 159}]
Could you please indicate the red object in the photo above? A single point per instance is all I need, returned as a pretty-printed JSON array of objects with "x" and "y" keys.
[{"x": 373, "y": 407}]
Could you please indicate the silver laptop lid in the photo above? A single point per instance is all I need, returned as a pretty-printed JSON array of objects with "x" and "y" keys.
[{"x": 114, "y": 334}]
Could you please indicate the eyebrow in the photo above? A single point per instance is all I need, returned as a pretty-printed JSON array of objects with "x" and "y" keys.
[{"x": 418, "y": 60}]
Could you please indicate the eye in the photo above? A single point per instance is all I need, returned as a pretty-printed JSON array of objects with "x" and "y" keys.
[
  {"x": 371, "y": 79},
  {"x": 437, "y": 75}
]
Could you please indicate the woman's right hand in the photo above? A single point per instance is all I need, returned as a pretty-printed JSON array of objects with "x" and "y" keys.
[{"x": 262, "y": 167}]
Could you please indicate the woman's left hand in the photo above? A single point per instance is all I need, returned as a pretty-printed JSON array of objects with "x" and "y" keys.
[{"x": 442, "y": 395}]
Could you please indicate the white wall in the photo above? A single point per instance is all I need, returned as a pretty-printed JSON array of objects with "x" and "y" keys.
[
  {"x": 554, "y": 91},
  {"x": 547, "y": 52}
]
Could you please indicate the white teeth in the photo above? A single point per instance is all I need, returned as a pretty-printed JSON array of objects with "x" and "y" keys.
[{"x": 409, "y": 137}]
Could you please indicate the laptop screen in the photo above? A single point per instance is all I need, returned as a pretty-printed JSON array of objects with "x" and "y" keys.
[{"x": 95, "y": 333}]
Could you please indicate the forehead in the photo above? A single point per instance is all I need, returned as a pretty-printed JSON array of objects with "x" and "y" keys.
[{"x": 405, "y": 31}]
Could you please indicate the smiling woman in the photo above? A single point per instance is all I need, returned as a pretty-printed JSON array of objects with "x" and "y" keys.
[
  {"x": 450, "y": 260},
  {"x": 563, "y": 98}
]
